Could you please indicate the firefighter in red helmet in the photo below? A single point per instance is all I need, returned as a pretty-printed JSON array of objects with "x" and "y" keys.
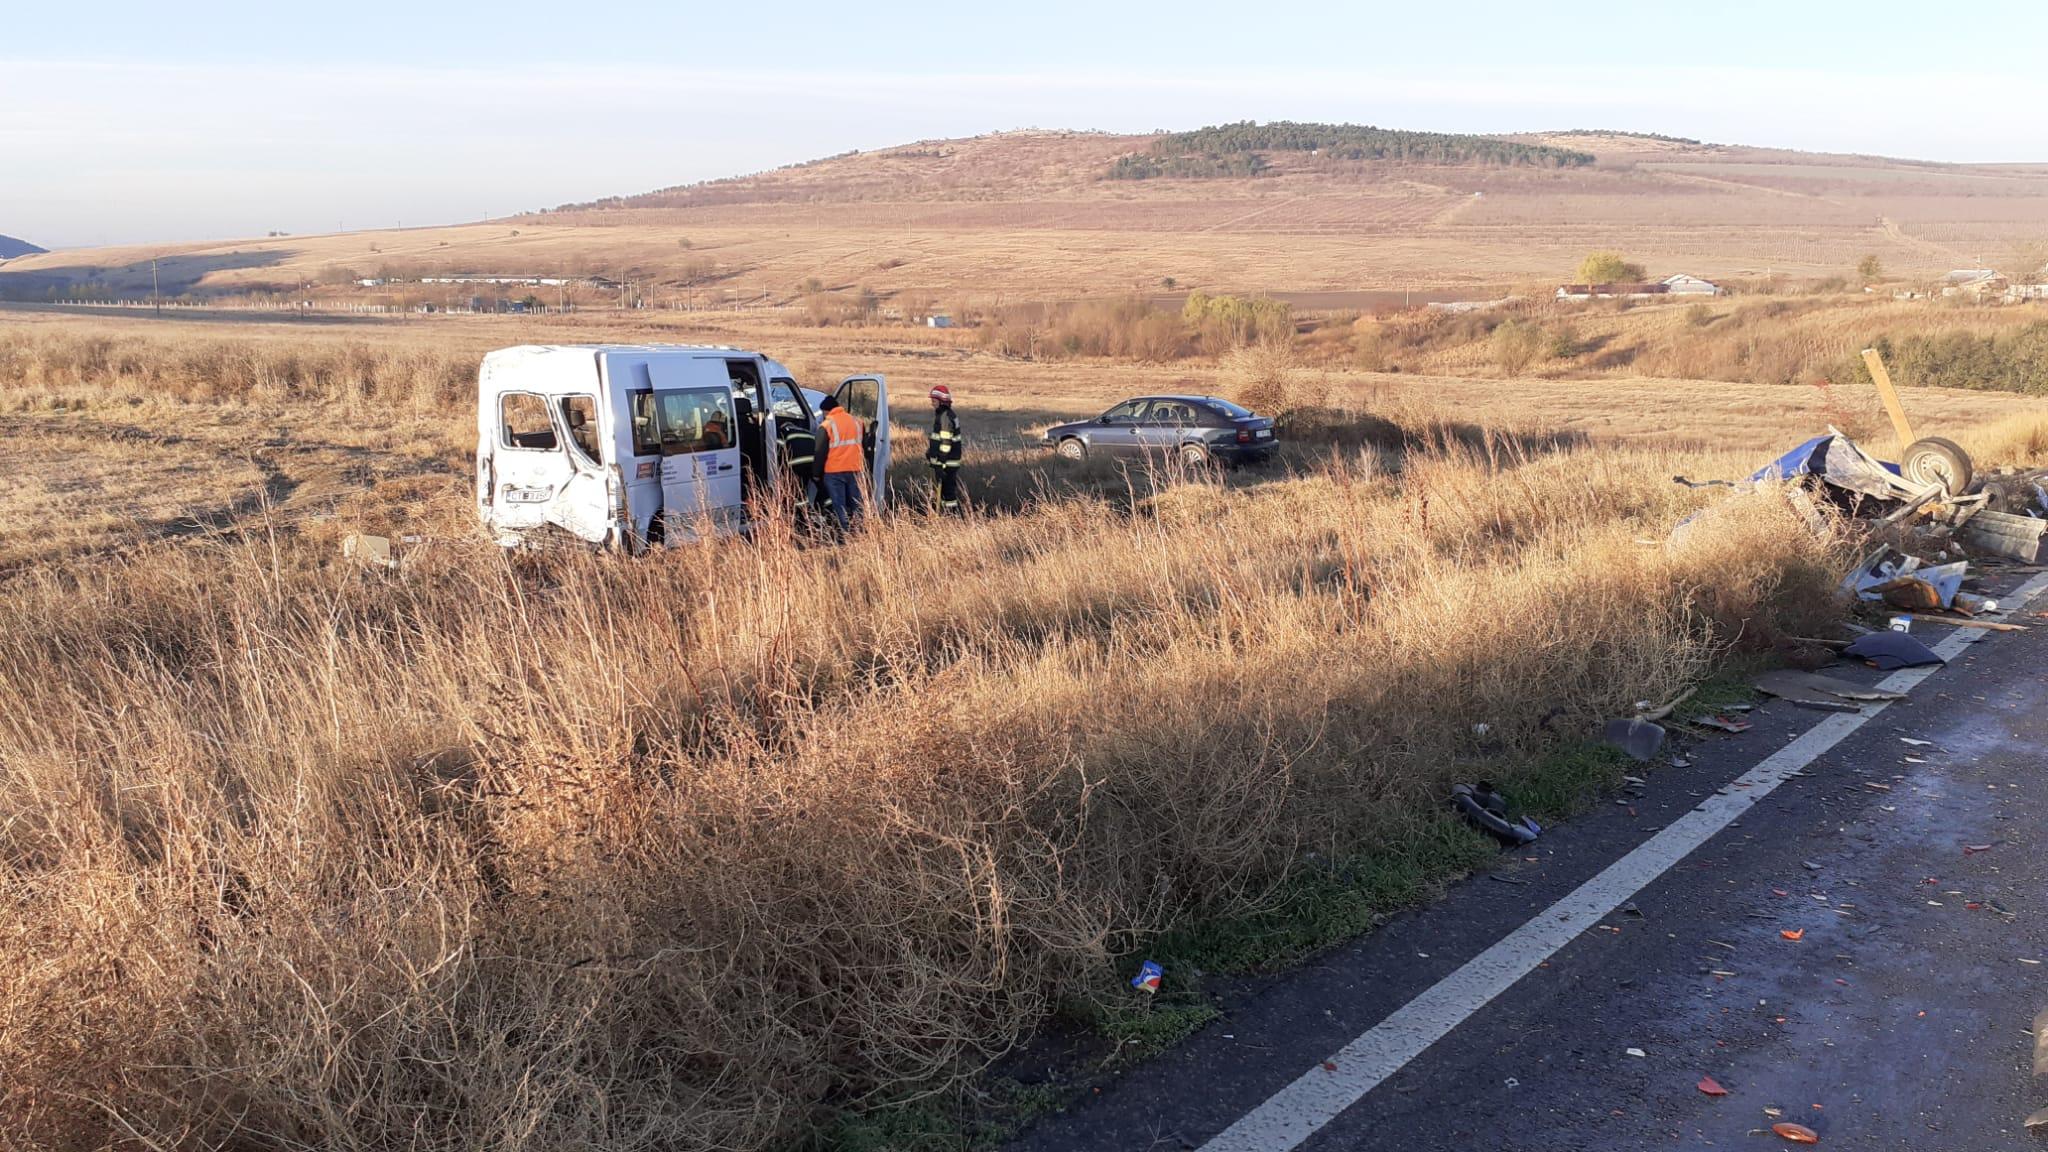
[{"x": 943, "y": 451}]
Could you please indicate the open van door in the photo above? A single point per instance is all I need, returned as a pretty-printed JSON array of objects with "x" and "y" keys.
[
  {"x": 866, "y": 398},
  {"x": 539, "y": 462},
  {"x": 700, "y": 455}
]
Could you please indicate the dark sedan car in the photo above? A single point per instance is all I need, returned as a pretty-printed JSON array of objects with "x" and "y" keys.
[{"x": 1196, "y": 429}]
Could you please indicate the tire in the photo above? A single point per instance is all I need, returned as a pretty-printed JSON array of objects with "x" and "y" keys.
[
  {"x": 1933, "y": 460},
  {"x": 1072, "y": 449},
  {"x": 1194, "y": 455}
]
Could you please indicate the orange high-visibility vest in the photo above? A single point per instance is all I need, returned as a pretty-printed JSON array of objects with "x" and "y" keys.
[{"x": 842, "y": 435}]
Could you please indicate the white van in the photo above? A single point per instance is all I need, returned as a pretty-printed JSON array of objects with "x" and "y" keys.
[{"x": 632, "y": 445}]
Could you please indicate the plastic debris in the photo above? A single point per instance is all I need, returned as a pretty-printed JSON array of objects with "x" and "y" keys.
[
  {"x": 1812, "y": 690},
  {"x": 1722, "y": 723},
  {"x": 1711, "y": 1086},
  {"x": 1902, "y": 624},
  {"x": 1916, "y": 743},
  {"x": 1793, "y": 933},
  {"x": 1796, "y": 1133},
  {"x": 1890, "y": 650},
  {"x": 1638, "y": 1053},
  {"x": 1486, "y": 807},
  {"x": 1147, "y": 979},
  {"x": 1640, "y": 739},
  {"x": 1971, "y": 604}
]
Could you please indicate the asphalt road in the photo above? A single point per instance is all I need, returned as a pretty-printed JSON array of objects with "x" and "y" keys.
[{"x": 1899, "y": 1020}]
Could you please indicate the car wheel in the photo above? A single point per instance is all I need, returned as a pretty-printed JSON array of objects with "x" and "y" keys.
[
  {"x": 1194, "y": 455},
  {"x": 1934, "y": 460},
  {"x": 1072, "y": 449}
]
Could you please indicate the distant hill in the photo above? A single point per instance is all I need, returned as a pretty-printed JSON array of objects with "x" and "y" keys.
[
  {"x": 10, "y": 248},
  {"x": 1031, "y": 164}
]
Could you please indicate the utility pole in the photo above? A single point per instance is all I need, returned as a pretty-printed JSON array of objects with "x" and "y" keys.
[{"x": 156, "y": 302}]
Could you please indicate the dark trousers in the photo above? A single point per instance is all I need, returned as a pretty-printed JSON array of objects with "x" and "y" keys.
[
  {"x": 843, "y": 490},
  {"x": 947, "y": 481}
]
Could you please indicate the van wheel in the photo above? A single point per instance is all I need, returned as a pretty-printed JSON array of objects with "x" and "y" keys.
[
  {"x": 1934, "y": 460},
  {"x": 1072, "y": 449}
]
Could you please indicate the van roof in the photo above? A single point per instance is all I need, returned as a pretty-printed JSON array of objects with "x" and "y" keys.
[{"x": 708, "y": 349}]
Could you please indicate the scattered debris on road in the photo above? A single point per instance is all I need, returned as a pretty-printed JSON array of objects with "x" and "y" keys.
[
  {"x": 1888, "y": 651},
  {"x": 1722, "y": 723},
  {"x": 1814, "y": 690},
  {"x": 1638, "y": 738},
  {"x": 1485, "y": 807},
  {"x": 1711, "y": 1086},
  {"x": 1796, "y": 1133}
]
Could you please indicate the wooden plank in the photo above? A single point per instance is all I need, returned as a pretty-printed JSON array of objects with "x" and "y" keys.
[{"x": 1897, "y": 411}]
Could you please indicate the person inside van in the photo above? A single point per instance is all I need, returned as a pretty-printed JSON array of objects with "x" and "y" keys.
[{"x": 715, "y": 435}]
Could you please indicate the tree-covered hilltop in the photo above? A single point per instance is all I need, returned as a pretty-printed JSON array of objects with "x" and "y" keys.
[{"x": 1235, "y": 149}]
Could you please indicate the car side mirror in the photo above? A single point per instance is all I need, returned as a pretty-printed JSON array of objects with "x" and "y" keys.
[{"x": 1102, "y": 419}]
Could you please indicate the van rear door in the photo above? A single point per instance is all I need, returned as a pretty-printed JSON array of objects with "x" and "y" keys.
[
  {"x": 866, "y": 398},
  {"x": 700, "y": 455}
]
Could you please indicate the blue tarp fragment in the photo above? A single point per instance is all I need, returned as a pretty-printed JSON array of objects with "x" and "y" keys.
[{"x": 1837, "y": 461}]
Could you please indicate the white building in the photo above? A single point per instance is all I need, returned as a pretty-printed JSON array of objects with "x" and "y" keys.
[{"x": 1685, "y": 285}]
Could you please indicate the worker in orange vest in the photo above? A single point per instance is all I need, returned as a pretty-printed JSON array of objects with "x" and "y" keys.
[{"x": 844, "y": 462}]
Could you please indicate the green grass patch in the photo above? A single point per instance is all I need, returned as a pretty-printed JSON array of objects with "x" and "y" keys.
[
  {"x": 976, "y": 1120},
  {"x": 1716, "y": 695}
]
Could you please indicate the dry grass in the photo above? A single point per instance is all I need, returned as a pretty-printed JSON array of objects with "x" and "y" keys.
[
  {"x": 528, "y": 857},
  {"x": 690, "y": 851}
]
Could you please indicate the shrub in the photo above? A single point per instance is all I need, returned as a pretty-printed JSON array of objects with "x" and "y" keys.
[
  {"x": 1226, "y": 322},
  {"x": 1516, "y": 345}
]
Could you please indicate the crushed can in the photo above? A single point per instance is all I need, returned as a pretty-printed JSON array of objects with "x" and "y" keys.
[
  {"x": 1147, "y": 979},
  {"x": 1902, "y": 623}
]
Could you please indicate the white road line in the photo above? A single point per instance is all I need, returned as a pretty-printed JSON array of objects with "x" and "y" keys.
[{"x": 1299, "y": 1110}]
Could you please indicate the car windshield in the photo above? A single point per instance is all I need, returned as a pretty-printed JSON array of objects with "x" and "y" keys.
[{"x": 1226, "y": 409}]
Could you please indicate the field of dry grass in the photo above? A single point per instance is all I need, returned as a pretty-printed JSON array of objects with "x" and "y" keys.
[{"x": 700, "y": 850}]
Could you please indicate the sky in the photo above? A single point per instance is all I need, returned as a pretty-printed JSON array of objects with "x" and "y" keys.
[{"x": 126, "y": 122}]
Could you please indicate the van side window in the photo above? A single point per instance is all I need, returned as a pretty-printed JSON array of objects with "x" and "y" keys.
[
  {"x": 646, "y": 433},
  {"x": 861, "y": 399},
  {"x": 523, "y": 422},
  {"x": 579, "y": 414},
  {"x": 696, "y": 420}
]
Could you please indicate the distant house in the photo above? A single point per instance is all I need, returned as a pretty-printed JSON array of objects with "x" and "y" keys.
[
  {"x": 938, "y": 321},
  {"x": 369, "y": 282},
  {"x": 550, "y": 281},
  {"x": 2027, "y": 292},
  {"x": 1612, "y": 291},
  {"x": 1977, "y": 282},
  {"x": 1685, "y": 285}
]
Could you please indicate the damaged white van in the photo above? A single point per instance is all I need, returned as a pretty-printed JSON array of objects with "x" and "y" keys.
[{"x": 636, "y": 445}]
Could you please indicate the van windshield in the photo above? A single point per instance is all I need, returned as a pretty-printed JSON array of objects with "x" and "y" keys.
[{"x": 694, "y": 420}]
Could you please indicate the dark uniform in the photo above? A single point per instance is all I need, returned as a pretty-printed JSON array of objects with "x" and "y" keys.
[
  {"x": 799, "y": 455},
  {"x": 942, "y": 453}
]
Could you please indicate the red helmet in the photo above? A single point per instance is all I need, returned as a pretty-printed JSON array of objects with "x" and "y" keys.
[{"x": 942, "y": 394}]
